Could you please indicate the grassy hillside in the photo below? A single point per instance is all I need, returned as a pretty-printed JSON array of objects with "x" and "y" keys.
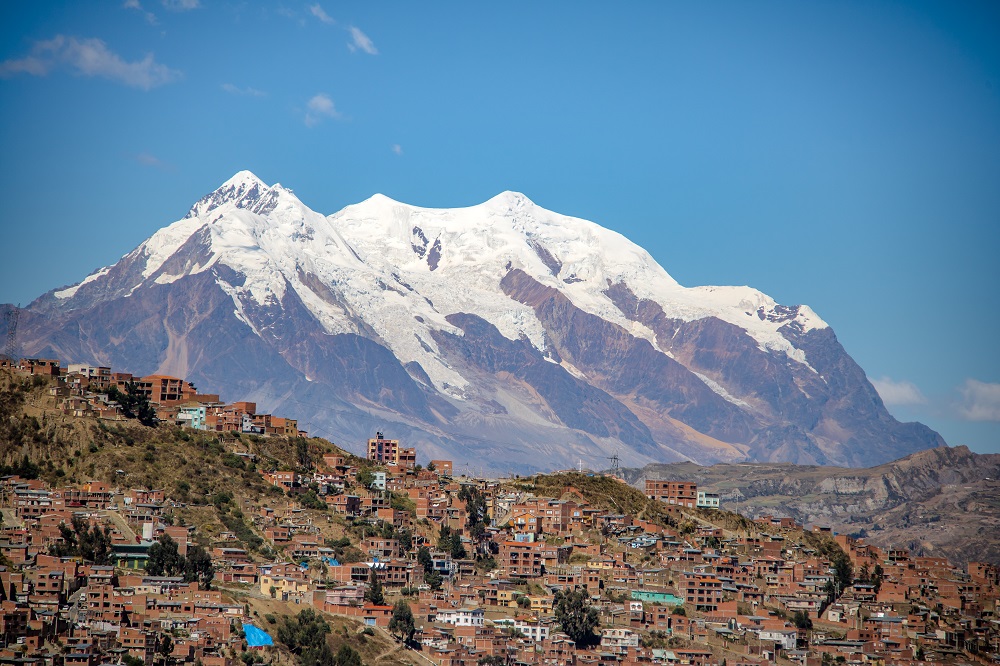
[{"x": 200, "y": 470}]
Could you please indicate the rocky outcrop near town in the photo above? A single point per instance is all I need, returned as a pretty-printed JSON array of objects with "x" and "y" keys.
[
  {"x": 503, "y": 336},
  {"x": 941, "y": 502}
]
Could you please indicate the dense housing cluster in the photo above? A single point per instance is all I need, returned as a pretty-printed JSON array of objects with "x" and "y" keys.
[{"x": 568, "y": 568}]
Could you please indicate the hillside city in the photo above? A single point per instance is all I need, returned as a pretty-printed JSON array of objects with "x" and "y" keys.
[{"x": 379, "y": 559}]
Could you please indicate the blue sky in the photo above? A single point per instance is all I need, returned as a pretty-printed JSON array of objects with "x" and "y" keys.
[{"x": 844, "y": 154}]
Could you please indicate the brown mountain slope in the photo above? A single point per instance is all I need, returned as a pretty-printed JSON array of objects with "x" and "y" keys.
[{"x": 941, "y": 502}]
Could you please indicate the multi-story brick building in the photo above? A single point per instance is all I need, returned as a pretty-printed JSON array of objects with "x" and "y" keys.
[
  {"x": 388, "y": 452},
  {"x": 521, "y": 559},
  {"x": 681, "y": 493},
  {"x": 702, "y": 591}
]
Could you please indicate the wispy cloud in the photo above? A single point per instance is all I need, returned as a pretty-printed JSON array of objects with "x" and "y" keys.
[
  {"x": 247, "y": 92},
  {"x": 319, "y": 108},
  {"x": 136, "y": 5},
  {"x": 181, "y": 5},
  {"x": 398, "y": 149},
  {"x": 318, "y": 12},
  {"x": 361, "y": 41},
  {"x": 89, "y": 57},
  {"x": 980, "y": 401},
  {"x": 898, "y": 393},
  {"x": 148, "y": 160}
]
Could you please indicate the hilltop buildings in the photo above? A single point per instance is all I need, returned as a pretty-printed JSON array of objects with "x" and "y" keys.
[{"x": 479, "y": 562}]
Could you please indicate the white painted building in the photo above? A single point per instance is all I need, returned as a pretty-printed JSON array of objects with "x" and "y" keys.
[
  {"x": 462, "y": 617},
  {"x": 707, "y": 500}
]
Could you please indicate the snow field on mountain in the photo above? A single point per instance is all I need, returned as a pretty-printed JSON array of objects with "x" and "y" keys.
[{"x": 401, "y": 269}]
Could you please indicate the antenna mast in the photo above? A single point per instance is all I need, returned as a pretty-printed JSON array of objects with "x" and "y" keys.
[{"x": 10, "y": 319}]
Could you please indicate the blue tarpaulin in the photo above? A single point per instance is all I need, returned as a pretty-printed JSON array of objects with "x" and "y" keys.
[{"x": 256, "y": 637}]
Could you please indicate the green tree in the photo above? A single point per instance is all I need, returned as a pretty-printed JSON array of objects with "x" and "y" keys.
[
  {"x": 365, "y": 478},
  {"x": 134, "y": 404},
  {"x": 166, "y": 646},
  {"x": 802, "y": 620},
  {"x": 444, "y": 539},
  {"x": 451, "y": 542},
  {"x": 80, "y": 539},
  {"x": 405, "y": 538},
  {"x": 302, "y": 453},
  {"x": 374, "y": 592},
  {"x": 457, "y": 549},
  {"x": 401, "y": 624},
  {"x": 476, "y": 508},
  {"x": 830, "y": 588},
  {"x": 575, "y": 615},
  {"x": 347, "y": 656},
  {"x": 198, "y": 567},
  {"x": 164, "y": 559},
  {"x": 424, "y": 559},
  {"x": 878, "y": 575},
  {"x": 843, "y": 570},
  {"x": 310, "y": 500},
  {"x": 433, "y": 578},
  {"x": 305, "y": 635}
]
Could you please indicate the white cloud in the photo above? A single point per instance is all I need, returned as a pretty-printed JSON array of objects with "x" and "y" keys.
[
  {"x": 360, "y": 40},
  {"x": 89, "y": 57},
  {"x": 980, "y": 401},
  {"x": 398, "y": 149},
  {"x": 145, "y": 159},
  {"x": 136, "y": 5},
  {"x": 248, "y": 91},
  {"x": 898, "y": 393},
  {"x": 318, "y": 12},
  {"x": 181, "y": 5},
  {"x": 320, "y": 107}
]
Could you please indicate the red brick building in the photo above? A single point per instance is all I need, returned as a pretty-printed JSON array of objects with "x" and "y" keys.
[{"x": 681, "y": 493}]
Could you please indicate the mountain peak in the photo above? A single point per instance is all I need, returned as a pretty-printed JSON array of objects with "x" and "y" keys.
[
  {"x": 501, "y": 318},
  {"x": 509, "y": 199},
  {"x": 243, "y": 178},
  {"x": 244, "y": 190}
]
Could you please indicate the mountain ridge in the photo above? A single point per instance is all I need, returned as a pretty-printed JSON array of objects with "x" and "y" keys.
[
  {"x": 366, "y": 307},
  {"x": 939, "y": 502}
]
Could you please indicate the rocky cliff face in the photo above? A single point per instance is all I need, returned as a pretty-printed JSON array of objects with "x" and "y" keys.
[
  {"x": 503, "y": 336},
  {"x": 941, "y": 502}
]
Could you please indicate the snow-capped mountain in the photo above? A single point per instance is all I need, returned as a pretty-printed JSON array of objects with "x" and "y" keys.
[{"x": 501, "y": 335}]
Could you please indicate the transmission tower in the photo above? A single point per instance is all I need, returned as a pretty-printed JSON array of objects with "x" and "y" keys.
[
  {"x": 10, "y": 319},
  {"x": 615, "y": 464}
]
